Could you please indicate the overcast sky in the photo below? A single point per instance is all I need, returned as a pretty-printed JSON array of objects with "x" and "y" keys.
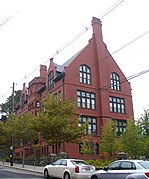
[{"x": 36, "y": 29}]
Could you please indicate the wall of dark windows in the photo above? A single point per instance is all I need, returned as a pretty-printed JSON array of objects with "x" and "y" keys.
[
  {"x": 117, "y": 105},
  {"x": 92, "y": 124},
  {"x": 120, "y": 126},
  {"x": 86, "y": 99}
]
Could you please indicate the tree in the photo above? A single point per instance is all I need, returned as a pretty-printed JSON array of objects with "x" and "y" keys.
[
  {"x": 2, "y": 135},
  {"x": 7, "y": 106},
  {"x": 132, "y": 140},
  {"x": 108, "y": 138},
  {"x": 8, "y": 129},
  {"x": 24, "y": 128},
  {"x": 58, "y": 122},
  {"x": 87, "y": 146},
  {"x": 143, "y": 122},
  {"x": 20, "y": 129},
  {"x": 3, "y": 145}
]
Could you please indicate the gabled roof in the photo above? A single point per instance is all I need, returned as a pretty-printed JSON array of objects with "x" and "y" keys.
[{"x": 60, "y": 68}]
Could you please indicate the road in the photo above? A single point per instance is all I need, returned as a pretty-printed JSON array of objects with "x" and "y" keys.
[{"x": 13, "y": 173}]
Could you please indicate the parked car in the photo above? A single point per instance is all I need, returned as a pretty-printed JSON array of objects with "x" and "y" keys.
[
  {"x": 123, "y": 169},
  {"x": 69, "y": 169}
]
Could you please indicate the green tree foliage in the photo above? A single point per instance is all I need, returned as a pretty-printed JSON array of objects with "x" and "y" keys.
[
  {"x": 59, "y": 121},
  {"x": 4, "y": 147},
  {"x": 7, "y": 106},
  {"x": 25, "y": 128},
  {"x": 87, "y": 146},
  {"x": 132, "y": 141},
  {"x": 8, "y": 129},
  {"x": 146, "y": 147},
  {"x": 108, "y": 141},
  {"x": 20, "y": 129},
  {"x": 2, "y": 135},
  {"x": 143, "y": 122}
]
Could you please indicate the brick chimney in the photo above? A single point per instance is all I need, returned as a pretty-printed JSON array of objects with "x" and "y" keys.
[
  {"x": 97, "y": 30},
  {"x": 43, "y": 71}
]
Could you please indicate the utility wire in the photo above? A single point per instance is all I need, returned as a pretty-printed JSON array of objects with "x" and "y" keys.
[
  {"x": 127, "y": 79},
  {"x": 9, "y": 18},
  {"x": 116, "y": 51},
  {"x": 75, "y": 38},
  {"x": 106, "y": 87},
  {"x": 111, "y": 8}
]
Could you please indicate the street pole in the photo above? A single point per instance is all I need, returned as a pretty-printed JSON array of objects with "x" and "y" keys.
[
  {"x": 11, "y": 148},
  {"x": 13, "y": 99}
]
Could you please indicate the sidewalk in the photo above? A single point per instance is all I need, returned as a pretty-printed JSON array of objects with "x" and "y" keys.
[{"x": 32, "y": 168}]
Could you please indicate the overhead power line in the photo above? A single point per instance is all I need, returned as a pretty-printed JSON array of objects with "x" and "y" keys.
[
  {"x": 111, "y": 8},
  {"x": 106, "y": 87},
  {"x": 7, "y": 19},
  {"x": 75, "y": 38},
  {"x": 126, "y": 79},
  {"x": 116, "y": 51}
]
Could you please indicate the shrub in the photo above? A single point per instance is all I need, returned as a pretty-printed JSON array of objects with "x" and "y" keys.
[{"x": 99, "y": 164}]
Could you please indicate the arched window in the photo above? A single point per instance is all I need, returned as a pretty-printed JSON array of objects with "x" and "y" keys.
[
  {"x": 115, "y": 81},
  {"x": 50, "y": 80},
  {"x": 85, "y": 74}
]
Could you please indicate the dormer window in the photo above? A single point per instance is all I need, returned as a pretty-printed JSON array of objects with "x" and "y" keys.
[
  {"x": 115, "y": 81},
  {"x": 85, "y": 74},
  {"x": 50, "y": 80}
]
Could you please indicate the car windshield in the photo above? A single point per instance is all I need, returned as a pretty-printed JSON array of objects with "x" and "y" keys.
[
  {"x": 77, "y": 162},
  {"x": 144, "y": 164}
]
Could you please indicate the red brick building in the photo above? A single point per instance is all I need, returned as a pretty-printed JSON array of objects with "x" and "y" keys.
[{"x": 94, "y": 79}]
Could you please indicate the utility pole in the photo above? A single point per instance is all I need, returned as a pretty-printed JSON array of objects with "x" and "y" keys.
[
  {"x": 11, "y": 147},
  {"x": 13, "y": 99}
]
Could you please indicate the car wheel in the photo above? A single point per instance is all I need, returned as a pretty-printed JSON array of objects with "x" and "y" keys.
[
  {"x": 66, "y": 175},
  {"x": 46, "y": 174},
  {"x": 94, "y": 177}
]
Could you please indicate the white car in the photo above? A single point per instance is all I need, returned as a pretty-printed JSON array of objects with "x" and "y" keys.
[{"x": 69, "y": 169}]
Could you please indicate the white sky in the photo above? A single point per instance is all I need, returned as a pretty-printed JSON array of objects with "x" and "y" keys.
[{"x": 39, "y": 28}]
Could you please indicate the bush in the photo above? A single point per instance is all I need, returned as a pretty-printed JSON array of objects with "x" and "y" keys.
[{"x": 99, "y": 164}]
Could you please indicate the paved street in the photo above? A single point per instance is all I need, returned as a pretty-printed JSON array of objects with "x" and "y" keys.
[
  {"x": 20, "y": 171},
  {"x": 10, "y": 172},
  {"x": 37, "y": 169}
]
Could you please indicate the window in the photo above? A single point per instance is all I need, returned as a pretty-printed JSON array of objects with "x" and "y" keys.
[
  {"x": 92, "y": 124},
  {"x": 58, "y": 162},
  {"x": 117, "y": 105},
  {"x": 64, "y": 162},
  {"x": 127, "y": 166},
  {"x": 22, "y": 100},
  {"x": 115, "y": 81},
  {"x": 50, "y": 80},
  {"x": 37, "y": 113},
  {"x": 120, "y": 126},
  {"x": 85, "y": 74},
  {"x": 37, "y": 104},
  {"x": 86, "y": 99},
  {"x": 114, "y": 166},
  {"x": 97, "y": 148}
]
